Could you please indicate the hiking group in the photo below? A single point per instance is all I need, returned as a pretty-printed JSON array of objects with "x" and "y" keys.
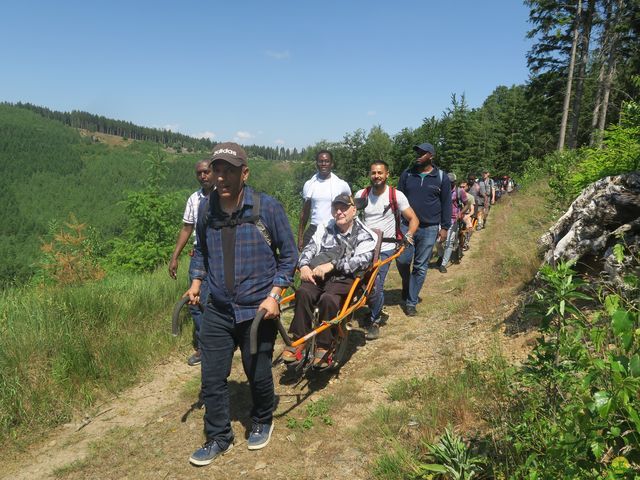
[{"x": 244, "y": 257}]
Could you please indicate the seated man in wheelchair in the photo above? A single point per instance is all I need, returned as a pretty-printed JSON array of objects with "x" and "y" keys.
[{"x": 329, "y": 264}]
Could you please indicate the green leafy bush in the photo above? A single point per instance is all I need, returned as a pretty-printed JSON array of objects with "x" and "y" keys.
[{"x": 577, "y": 409}]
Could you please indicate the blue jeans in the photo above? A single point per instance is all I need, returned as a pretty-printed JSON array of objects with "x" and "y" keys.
[
  {"x": 449, "y": 243},
  {"x": 376, "y": 299},
  {"x": 219, "y": 337},
  {"x": 195, "y": 312},
  {"x": 420, "y": 253}
]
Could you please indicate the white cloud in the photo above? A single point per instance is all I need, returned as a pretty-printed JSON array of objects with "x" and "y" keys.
[
  {"x": 243, "y": 136},
  {"x": 371, "y": 113},
  {"x": 278, "y": 55},
  {"x": 279, "y": 141},
  {"x": 207, "y": 134}
]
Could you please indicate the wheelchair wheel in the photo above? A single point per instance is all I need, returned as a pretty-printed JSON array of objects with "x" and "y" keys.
[
  {"x": 340, "y": 347},
  {"x": 460, "y": 246},
  {"x": 181, "y": 314}
]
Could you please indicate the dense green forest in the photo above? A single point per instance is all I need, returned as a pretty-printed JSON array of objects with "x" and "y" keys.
[{"x": 582, "y": 61}]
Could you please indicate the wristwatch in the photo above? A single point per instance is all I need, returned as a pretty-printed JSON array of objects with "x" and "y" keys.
[{"x": 275, "y": 296}]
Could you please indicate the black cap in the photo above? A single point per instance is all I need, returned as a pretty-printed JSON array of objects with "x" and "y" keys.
[
  {"x": 344, "y": 199},
  {"x": 424, "y": 148}
]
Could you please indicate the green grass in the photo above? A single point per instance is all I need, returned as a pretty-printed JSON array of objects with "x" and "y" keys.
[
  {"x": 419, "y": 408},
  {"x": 317, "y": 413},
  {"x": 61, "y": 348}
]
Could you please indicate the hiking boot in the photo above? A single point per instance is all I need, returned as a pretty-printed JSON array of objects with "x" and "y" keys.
[
  {"x": 384, "y": 316},
  {"x": 410, "y": 311},
  {"x": 194, "y": 359},
  {"x": 442, "y": 269},
  {"x": 207, "y": 453},
  {"x": 260, "y": 435},
  {"x": 373, "y": 331}
]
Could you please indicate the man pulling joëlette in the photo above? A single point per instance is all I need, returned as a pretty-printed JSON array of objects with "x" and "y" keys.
[{"x": 244, "y": 273}]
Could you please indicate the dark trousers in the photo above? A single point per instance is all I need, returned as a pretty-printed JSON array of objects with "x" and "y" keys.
[
  {"x": 219, "y": 337},
  {"x": 328, "y": 297}
]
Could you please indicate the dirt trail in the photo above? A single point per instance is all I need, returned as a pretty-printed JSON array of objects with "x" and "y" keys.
[{"x": 149, "y": 431}]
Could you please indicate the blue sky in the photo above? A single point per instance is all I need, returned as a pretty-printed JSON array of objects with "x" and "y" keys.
[{"x": 272, "y": 73}]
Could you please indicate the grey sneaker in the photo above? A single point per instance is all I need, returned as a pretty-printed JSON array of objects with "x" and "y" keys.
[
  {"x": 194, "y": 359},
  {"x": 207, "y": 453},
  {"x": 373, "y": 331},
  {"x": 260, "y": 435},
  {"x": 442, "y": 269}
]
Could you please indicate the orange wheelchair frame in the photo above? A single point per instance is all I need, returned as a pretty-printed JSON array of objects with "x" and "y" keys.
[{"x": 356, "y": 299}]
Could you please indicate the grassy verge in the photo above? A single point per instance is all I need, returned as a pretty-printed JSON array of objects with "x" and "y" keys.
[
  {"x": 420, "y": 409},
  {"x": 61, "y": 349},
  {"x": 502, "y": 260}
]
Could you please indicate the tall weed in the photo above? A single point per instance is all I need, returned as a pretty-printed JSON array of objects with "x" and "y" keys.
[
  {"x": 576, "y": 408},
  {"x": 63, "y": 347}
]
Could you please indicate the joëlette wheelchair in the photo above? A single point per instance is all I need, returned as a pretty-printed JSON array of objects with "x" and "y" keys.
[{"x": 357, "y": 298}]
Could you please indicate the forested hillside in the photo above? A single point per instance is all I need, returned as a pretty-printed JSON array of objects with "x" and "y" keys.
[
  {"x": 50, "y": 171},
  {"x": 582, "y": 64},
  {"x": 177, "y": 141}
]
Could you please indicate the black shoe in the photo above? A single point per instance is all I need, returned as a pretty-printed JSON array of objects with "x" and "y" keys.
[
  {"x": 194, "y": 359},
  {"x": 373, "y": 331},
  {"x": 410, "y": 311},
  {"x": 442, "y": 269}
]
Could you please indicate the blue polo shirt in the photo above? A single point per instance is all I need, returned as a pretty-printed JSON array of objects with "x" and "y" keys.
[{"x": 428, "y": 195}]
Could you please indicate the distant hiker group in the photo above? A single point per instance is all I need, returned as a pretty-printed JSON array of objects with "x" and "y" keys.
[{"x": 244, "y": 257}]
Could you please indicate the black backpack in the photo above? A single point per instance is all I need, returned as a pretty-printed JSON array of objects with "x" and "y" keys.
[{"x": 206, "y": 219}]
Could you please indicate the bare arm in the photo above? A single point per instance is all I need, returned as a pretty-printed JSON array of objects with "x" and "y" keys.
[
  {"x": 183, "y": 238},
  {"x": 304, "y": 218},
  {"x": 412, "y": 218}
]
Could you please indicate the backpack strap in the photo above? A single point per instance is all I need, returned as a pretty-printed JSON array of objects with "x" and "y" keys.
[
  {"x": 393, "y": 201},
  {"x": 207, "y": 219},
  {"x": 201, "y": 228}
]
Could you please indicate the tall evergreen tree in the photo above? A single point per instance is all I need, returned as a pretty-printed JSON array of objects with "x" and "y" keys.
[{"x": 457, "y": 136}]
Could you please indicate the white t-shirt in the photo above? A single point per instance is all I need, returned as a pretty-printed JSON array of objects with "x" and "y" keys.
[
  {"x": 190, "y": 216},
  {"x": 376, "y": 217},
  {"x": 321, "y": 192}
]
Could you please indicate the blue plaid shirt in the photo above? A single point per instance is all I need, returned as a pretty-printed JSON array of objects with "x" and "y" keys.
[{"x": 257, "y": 269}]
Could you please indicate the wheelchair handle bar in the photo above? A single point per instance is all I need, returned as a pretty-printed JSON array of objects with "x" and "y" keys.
[{"x": 253, "y": 334}]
